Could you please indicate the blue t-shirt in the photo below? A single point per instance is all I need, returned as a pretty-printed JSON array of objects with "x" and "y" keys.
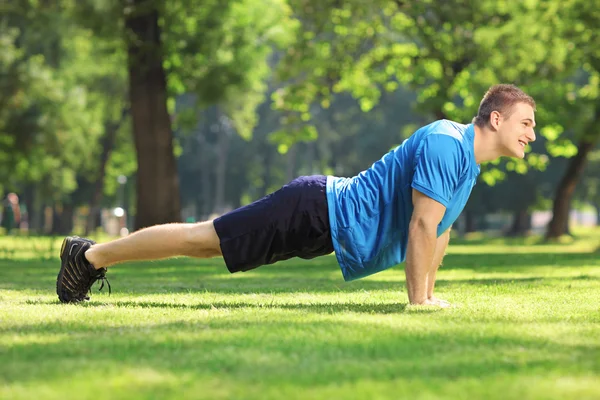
[{"x": 370, "y": 213}]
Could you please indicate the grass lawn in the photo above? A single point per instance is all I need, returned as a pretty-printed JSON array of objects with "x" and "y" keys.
[{"x": 525, "y": 325}]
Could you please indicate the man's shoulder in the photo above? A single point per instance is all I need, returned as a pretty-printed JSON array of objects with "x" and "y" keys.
[
  {"x": 446, "y": 131},
  {"x": 447, "y": 127},
  {"x": 447, "y": 138}
]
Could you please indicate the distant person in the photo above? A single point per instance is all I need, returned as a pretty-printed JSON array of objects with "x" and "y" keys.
[
  {"x": 400, "y": 209},
  {"x": 11, "y": 213}
]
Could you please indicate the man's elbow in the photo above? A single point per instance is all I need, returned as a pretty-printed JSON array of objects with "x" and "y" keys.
[{"x": 423, "y": 224}]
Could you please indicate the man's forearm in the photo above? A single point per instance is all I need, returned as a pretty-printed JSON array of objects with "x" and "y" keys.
[
  {"x": 438, "y": 256},
  {"x": 419, "y": 257}
]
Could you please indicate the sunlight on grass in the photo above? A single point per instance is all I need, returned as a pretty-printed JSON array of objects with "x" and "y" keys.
[{"x": 524, "y": 325}]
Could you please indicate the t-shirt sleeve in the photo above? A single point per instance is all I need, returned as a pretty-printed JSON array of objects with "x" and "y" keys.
[{"x": 437, "y": 168}]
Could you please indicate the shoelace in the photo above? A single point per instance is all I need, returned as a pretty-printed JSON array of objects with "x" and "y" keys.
[
  {"x": 104, "y": 279},
  {"x": 101, "y": 276}
]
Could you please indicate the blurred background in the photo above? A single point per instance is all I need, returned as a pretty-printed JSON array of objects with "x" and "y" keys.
[{"x": 120, "y": 114}]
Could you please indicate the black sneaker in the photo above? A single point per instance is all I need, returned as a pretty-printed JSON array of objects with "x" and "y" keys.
[{"x": 77, "y": 275}]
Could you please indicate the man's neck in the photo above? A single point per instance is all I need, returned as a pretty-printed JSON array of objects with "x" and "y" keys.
[{"x": 485, "y": 145}]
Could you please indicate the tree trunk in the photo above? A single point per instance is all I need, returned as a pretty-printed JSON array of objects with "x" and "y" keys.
[
  {"x": 559, "y": 225},
  {"x": 268, "y": 161},
  {"x": 204, "y": 205},
  {"x": 310, "y": 157},
  {"x": 62, "y": 220},
  {"x": 521, "y": 223},
  {"x": 470, "y": 223},
  {"x": 31, "y": 219},
  {"x": 224, "y": 140},
  {"x": 46, "y": 221},
  {"x": 158, "y": 198},
  {"x": 108, "y": 144},
  {"x": 439, "y": 114},
  {"x": 291, "y": 162}
]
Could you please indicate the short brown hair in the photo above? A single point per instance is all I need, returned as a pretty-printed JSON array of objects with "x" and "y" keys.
[{"x": 500, "y": 98}]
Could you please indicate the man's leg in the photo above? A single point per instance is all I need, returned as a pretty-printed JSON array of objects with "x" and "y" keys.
[
  {"x": 84, "y": 262},
  {"x": 438, "y": 256},
  {"x": 291, "y": 222},
  {"x": 158, "y": 242}
]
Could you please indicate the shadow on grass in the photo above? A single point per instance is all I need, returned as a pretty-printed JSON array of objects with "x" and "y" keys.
[
  {"x": 272, "y": 279},
  {"x": 519, "y": 262},
  {"x": 316, "y": 276},
  {"x": 326, "y": 308},
  {"x": 478, "y": 238},
  {"x": 269, "y": 284}
]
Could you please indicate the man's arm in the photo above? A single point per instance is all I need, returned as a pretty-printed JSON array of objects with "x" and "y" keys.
[
  {"x": 422, "y": 237},
  {"x": 440, "y": 250}
]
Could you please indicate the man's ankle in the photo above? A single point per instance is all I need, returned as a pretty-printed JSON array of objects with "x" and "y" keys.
[{"x": 92, "y": 257}]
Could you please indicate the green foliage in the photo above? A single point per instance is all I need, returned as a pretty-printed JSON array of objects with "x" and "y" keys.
[
  {"x": 336, "y": 83},
  {"x": 322, "y": 60},
  {"x": 220, "y": 51},
  {"x": 449, "y": 53},
  {"x": 48, "y": 119},
  {"x": 285, "y": 140},
  {"x": 122, "y": 161}
]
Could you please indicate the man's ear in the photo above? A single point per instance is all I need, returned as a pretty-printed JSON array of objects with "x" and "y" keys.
[{"x": 495, "y": 119}]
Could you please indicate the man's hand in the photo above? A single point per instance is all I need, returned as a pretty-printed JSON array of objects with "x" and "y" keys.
[
  {"x": 439, "y": 302},
  {"x": 422, "y": 238},
  {"x": 434, "y": 301}
]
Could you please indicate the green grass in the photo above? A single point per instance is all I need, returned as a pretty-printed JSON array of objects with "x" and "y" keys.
[{"x": 526, "y": 325}]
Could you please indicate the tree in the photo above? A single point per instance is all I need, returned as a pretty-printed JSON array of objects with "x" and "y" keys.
[
  {"x": 48, "y": 118},
  {"x": 448, "y": 52},
  {"x": 589, "y": 193},
  {"x": 158, "y": 199},
  {"x": 583, "y": 36},
  {"x": 215, "y": 50},
  {"x": 218, "y": 55}
]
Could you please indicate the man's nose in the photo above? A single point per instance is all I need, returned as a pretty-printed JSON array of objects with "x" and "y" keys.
[{"x": 531, "y": 135}]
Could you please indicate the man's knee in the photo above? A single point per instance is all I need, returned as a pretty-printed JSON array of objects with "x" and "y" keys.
[{"x": 202, "y": 237}]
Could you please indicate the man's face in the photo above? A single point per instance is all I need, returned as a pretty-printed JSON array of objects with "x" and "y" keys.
[{"x": 516, "y": 130}]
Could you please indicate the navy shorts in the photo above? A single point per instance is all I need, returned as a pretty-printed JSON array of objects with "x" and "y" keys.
[{"x": 291, "y": 222}]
